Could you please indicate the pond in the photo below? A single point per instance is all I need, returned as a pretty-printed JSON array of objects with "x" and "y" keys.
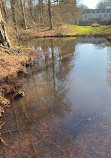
[{"x": 66, "y": 111}]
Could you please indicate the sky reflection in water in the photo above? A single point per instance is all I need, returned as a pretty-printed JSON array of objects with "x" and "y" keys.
[{"x": 66, "y": 112}]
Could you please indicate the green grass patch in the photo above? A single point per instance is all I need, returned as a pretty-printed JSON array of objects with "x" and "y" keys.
[{"x": 82, "y": 30}]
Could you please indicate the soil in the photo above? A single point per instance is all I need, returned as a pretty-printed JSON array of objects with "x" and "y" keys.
[{"x": 12, "y": 65}]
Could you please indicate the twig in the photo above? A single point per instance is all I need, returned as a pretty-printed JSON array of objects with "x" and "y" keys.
[
  {"x": 81, "y": 121},
  {"x": 1, "y": 139}
]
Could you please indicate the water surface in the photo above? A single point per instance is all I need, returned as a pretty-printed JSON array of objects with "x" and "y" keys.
[{"x": 66, "y": 111}]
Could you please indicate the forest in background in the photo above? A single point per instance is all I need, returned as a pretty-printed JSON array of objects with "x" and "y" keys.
[
  {"x": 43, "y": 15},
  {"x": 104, "y": 4},
  {"x": 29, "y": 14}
]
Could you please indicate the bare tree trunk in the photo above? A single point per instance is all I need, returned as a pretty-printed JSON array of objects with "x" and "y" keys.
[
  {"x": 23, "y": 14},
  {"x": 3, "y": 35},
  {"x": 30, "y": 4},
  {"x": 34, "y": 10},
  {"x": 57, "y": 12},
  {"x": 50, "y": 15},
  {"x": 41, "y": 9},
  {"x": 12, "y": 2},
  {"x": 3, "y": 3}
]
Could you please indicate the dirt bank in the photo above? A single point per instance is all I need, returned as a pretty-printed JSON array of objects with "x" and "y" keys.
[
  {"x": 12, "y": 65},
  {"x": 67, "y": 31}
]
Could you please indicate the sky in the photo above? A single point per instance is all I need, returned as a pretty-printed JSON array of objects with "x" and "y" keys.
[{"x": 90, "y": 3}]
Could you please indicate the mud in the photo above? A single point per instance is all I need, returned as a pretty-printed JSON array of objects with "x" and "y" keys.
[{"x": 12, "y": 67}]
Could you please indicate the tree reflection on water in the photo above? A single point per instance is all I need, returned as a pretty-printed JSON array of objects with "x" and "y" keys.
[
  {"x": 48, "y": 122},
  {"x": 33, "y": 127}
]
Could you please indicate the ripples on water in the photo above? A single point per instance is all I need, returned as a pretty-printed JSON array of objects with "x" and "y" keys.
[{"x": 66, "y": 112}]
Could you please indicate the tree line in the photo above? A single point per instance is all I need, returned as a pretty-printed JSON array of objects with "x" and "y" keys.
[
  {"x": 104, "y": 4},
  {"x": 29, "y": 14}
]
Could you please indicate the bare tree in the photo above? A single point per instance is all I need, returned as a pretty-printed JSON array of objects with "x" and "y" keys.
[
  {"x": 12, "y": 2},
  {"x": 30, "y": 5},
  {"x": 3, "y": 4},
  {"x": 104, "y": 4},
  {"x": 23, "y": 14},
  {"x": 33, "y": 13},
  {"x": 50, "y": 15},
  {"x": 41, "y": 9},
  {"x": 3, "y": 35}
]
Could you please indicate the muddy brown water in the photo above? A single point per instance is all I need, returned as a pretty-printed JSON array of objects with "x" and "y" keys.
[{"x": 66, "y": 111}]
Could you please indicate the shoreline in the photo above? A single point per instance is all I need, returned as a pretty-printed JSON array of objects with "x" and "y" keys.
[
  {"x": 66, "y": 31},
  {"x": 63, "y": 36},
  {"x": 12, "y": 67}
]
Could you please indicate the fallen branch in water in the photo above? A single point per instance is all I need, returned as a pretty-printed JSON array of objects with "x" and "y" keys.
[{"x": 81, "y": 121}]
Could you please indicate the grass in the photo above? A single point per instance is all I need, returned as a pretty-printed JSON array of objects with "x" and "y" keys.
[
  {"x": 67, "y": 30},
  {"x": 88, "y": 30}
]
